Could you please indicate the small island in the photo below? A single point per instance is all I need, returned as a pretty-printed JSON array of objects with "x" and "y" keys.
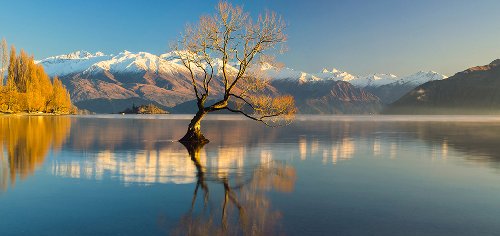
[{"x": 144, "y": 109}]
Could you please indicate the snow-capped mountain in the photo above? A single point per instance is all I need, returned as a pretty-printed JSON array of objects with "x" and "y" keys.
[
  {"x": 420, "y": 77},
  {"x": 368, "y": 81},
  {"x": 164, "y": 80},
  {"x": 374, "y": 80},
  {"x": 304, "y": 77},
  {"x": 387, "y": 87},
  {"x": 70, "y": 63},
  {"x": 83, "y": 61},
  {"x": 390, "y": 92}
]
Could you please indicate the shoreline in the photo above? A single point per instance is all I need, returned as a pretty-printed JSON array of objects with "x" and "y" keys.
[{"x": 33, "y": 114}]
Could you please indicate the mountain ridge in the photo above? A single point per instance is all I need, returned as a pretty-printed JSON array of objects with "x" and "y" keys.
[
  {"x": 164, "y": 80},
  {"x": 148, "y": 61},
  {"x": 472, "y": 91}
]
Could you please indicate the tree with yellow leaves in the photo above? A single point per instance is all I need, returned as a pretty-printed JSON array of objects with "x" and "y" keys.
[
  {"x": 60, "y": 102},
  {"x": 35, "y": 100},
  {"x": 30, "y": 89},
  {"x": 10, "y": 91}
]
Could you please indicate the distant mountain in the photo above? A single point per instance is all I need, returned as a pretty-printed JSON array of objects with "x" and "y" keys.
[
  {"x": 105, "y": 83},
  {"x": 88, "y": 76},
  {"x": 288, "y": 74},
  {"x": 387, "y": 87},
  {"x": 329, "y": 97},
  {"x": 389, "y": 93},
  {"x": 473, "y": 91}
]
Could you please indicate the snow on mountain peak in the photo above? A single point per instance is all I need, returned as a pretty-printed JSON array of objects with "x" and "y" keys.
[
  {"x": 334, "y": 70},
  {"x": 304, "y": 77},
  {"x": 374, "y": 80},
  {"x": 126, "y": 61},
  {"x": 325, "y": 70},
  {"x": 78, "y": 55},
  {"x": 81, "y": 54},
  {"x": 71, "y": 62},
  {"x": 421, "y": 77}
]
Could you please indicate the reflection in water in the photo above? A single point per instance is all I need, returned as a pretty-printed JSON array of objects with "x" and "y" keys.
[
  {"x": 233, "y": 182},
  {"x": 145, "y": 167},
  {"x": 444, "y": 149},
  {"x": 303, "y": 148},
  {"x": 25, "y": 141},
  {"x": 169, "y": 163},
  {"x": 146, "y": 154},
  {"x": 244, "y": 208},
  {"x": 376, "y": 147}
]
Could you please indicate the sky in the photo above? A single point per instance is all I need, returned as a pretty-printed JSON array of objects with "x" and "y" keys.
[{"x": 359, "y": 36}]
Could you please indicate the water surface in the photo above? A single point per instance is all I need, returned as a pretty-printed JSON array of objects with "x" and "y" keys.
[{"x": 322, "y": 175}]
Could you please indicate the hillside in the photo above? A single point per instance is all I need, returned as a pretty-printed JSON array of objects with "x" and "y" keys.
[{"x": 473, "y": 91}]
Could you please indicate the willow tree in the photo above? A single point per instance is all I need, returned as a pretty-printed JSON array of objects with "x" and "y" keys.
[{"x": 226, "y": 50}]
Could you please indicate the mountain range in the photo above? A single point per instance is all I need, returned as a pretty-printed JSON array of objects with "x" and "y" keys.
[
  {"x": 472, "y": 91},
  {"x": 106, "y": 83}
]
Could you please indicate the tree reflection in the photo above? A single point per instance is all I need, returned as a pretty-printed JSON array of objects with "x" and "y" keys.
[
  {"x": 244, "y": 208},
  {"x": 25, "y": 141}
]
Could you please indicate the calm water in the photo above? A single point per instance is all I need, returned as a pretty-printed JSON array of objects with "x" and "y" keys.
[{"x": 322, "y": 175}]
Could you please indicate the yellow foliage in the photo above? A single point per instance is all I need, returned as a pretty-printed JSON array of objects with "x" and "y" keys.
[
  {"x": 29, "y": 88},
  {"x": 61, "y": 102}
]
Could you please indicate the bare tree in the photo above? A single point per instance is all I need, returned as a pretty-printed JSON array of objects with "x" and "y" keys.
[
  {"x": 4, "y": 60},
  {"x": 227, "y": 49}
]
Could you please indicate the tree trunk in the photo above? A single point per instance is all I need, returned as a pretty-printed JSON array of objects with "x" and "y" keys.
[{"x": 193, "y": 135}]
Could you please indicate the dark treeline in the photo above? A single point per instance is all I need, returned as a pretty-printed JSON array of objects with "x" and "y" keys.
[{"x": 27, "y": 87}]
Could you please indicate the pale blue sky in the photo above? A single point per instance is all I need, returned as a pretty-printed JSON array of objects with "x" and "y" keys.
[{"x": 361, "y": 37}]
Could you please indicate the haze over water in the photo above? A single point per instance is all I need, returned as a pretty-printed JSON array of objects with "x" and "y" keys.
[{"x": 322, "y": 175}]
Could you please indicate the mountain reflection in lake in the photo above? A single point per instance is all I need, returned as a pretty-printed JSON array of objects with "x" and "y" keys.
[{"x": 126, "y": 175}]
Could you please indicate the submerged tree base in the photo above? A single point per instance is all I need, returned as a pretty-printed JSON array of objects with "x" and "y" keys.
[
  {"x": 193, "y": 136},
  {"x": 194, "y": 139}
]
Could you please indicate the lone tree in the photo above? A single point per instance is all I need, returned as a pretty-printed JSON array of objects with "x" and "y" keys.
[{"x": 227, "y": 50}]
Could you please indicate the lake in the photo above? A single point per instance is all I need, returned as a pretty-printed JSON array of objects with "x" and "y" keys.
[{"x": 321, "y": 175}]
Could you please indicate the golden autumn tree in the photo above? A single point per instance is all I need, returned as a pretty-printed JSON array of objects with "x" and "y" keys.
[
  {"x": 22, "y": 71},
  {"x": 227, "y": 48},
  {"x": 46, "y": 88},
  {"x": 10, "y": 91},
  {"x": 60, "y": 101},
  {"x": 30, "y": 89},
  {"x": 34, "y": 97}
]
